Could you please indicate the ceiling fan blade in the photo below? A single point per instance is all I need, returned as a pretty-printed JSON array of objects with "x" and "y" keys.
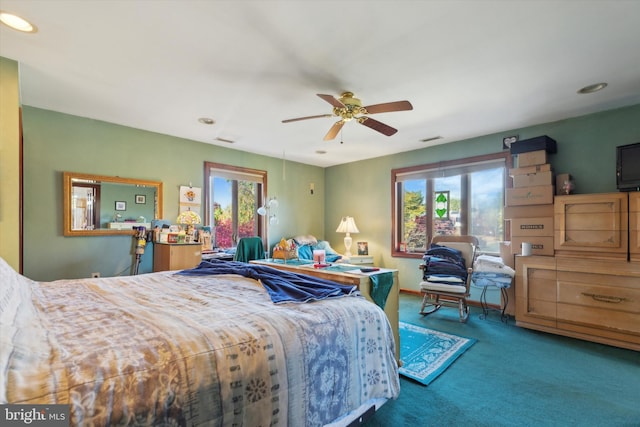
[
  {"x": 307, "y": 118},
  {"x": 331, "y": 100},
  {"x": 334, "y": 130},
  {"x": 388, "y": 107},
  {"x": 377, "y": 126}
]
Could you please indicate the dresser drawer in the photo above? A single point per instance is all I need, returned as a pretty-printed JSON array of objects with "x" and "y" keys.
[{"x": 610, "y": 302}]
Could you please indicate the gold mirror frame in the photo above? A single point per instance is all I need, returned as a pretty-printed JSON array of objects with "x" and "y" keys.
[{"x": 68, "y": 181}]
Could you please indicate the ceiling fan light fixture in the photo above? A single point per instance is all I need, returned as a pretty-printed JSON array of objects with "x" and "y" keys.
[
  {"x": 592, "y": 88},
  {"x": 348, "y": 108},
  {"x": 17, "y": 23}
]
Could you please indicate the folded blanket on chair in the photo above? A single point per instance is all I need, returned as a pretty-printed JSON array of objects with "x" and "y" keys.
[
  {"x": 443, "y": 278},
  {"x": 435, "y": 265},
  {"x": 444, "y": 265},
  {"x": 282, "y": 286}
]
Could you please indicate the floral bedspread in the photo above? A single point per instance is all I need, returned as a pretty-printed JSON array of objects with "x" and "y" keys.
[{"x": 168, "y": 349}]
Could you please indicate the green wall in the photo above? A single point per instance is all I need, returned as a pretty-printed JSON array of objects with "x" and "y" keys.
[
  {"x": 55, "y": 142},
  {"x": 586, "y": 150}
]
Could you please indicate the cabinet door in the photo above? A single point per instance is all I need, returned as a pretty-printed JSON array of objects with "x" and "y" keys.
[
  {"x": 634, "y": 226},
  {"x": 593, "y": 225},
  {"x": 185, "y": 256},
  {"x": 536, "y": 290},
  {"x": 175, "y": 256}
]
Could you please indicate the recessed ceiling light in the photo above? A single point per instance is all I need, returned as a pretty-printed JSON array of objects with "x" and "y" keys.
[
  {"x": 206, "y": 120},
  {"x": 17, "y": 23},
  {"x": 433, "y": 138},
  {"x": 592, "y": 88}
]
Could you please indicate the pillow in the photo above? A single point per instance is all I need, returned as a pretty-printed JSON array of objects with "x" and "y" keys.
[
  {"x": 15, "y": 296},
  {"x": 306, "y": 240},
  {"x": 305, "y": 252},
  {"x": 24, "y": 339}
]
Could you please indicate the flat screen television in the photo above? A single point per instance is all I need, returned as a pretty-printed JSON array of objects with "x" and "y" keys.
[{"x": 628, "y": 167}]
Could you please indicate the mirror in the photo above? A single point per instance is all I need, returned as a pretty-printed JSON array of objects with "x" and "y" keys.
[{"x": 108, "y": 205}]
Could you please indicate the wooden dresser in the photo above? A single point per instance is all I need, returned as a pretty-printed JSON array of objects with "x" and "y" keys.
[
  {"x": 590, "y": 288},
  {"x": 595, "y": 300}
]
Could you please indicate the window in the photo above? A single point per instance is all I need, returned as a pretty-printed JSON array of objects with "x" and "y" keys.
[
  {"x": 232, "y": 197},
  {"x": 449, "y": 198}
]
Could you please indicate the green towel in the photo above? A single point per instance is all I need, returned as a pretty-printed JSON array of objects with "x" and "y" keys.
[
  {"x": 249, "y": 248},
  {"x": 380, "y": 286}
]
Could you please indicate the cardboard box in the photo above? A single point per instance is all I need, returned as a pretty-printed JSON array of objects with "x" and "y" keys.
[
  {"x": 534, "y": 144},
  {"x": 540, "y": 245},
  {"x": 523, "y": 227},
  {"x": 528, "y": 211},
  {"x": 560, "y": 180},
  {"x": 538, "y": 195},
  {"x": 532, "y": 158},
  {"x": 533, "y": 179},
  {"x": 530, "y": 169},
  {"x": 506, "y": 255}
]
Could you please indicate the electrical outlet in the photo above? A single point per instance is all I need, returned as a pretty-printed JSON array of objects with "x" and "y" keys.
[{"x": 95, "y": 275}]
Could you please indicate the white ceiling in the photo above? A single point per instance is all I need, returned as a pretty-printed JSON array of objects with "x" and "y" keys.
[{"x": 469, "y": 68}]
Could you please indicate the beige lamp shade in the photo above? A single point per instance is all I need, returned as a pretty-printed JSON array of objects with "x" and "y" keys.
[{"x": 347, "y": 225}]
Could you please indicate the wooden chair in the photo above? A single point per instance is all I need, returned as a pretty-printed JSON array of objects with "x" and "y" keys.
[{"x": 436, "y": 293}]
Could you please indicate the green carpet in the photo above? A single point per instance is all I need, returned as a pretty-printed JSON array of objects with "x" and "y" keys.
[
  {"x": 517, "y": 377},
  {"x": 426, "y": 353}
]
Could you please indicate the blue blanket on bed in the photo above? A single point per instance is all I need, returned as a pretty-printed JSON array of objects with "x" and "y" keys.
[{"x": 282, "y": 286}]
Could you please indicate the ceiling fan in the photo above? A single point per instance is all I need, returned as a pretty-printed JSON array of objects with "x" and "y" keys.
[{"x": 348, "y": 107}]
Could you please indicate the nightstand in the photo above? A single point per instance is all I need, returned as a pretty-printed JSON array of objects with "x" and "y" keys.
[
  {"x": 176, "y": 256},
  {"x": 361, "y": 259}
]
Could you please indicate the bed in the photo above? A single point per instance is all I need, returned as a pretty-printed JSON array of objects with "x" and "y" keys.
[{"x": 191, "y": 349}]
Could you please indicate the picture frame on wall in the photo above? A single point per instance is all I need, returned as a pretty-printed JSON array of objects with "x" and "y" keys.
[
  {"x": 121, "y": 206},
  {"x": 141, "y": 199},
  {"x": 363, "y": 248}
]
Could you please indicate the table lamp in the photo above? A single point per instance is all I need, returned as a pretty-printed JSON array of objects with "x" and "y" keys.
[
  {"x": 347, "y": 225},
  {"x": 189, "y": 219}
]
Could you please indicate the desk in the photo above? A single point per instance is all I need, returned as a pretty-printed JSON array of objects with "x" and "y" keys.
[{"x": 362, "y": 281}]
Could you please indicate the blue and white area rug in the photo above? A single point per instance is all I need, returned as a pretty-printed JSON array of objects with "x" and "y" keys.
[{"x": 426, "y": 353}]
